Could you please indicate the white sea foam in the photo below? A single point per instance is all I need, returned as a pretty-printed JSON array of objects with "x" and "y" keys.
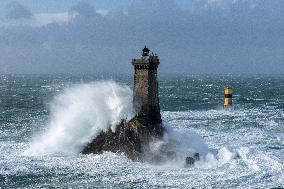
[
  {"x": 186, "y": 144},
  {"x": 79, "y": 114},
  {"x": 180, "y": 145}
]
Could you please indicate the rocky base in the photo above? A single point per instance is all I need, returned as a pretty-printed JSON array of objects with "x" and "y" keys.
[
  {"x": 134, "y": 139},
  {"x": 131, "y": 138}
]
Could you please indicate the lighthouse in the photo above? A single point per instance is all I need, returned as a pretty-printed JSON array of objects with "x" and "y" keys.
[
  {"x": 145, "y": 89},
  {"x": 133, "y": 137}
]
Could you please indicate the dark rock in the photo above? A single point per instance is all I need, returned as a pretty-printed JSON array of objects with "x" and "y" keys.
[
  {"x": 131, "y": 138},
  {"x": 196, "y": 157},
  {"x": 190, "y": 160}
]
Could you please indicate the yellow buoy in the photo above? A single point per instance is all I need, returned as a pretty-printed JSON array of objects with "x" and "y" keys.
[{"x": 228, "y": 91}]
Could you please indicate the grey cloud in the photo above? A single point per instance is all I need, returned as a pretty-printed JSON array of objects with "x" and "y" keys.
[
  {"x": 84, "y": 9},
  {"x": 16, "y": 10},
  {"x": 238, "y": 39}
]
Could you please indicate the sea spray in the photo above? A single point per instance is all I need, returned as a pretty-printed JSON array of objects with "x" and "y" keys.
[
  {"x": 176, "y": 146},
  {"x": 82, "y": 111},
  {"x": 79, "y": 114},
  {"x": 182, "y": 144}
]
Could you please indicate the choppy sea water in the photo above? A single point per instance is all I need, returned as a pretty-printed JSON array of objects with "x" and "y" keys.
[{"x": 246, "y": 144}]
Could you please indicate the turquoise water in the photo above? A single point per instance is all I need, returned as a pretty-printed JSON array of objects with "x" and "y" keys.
[{"x": 254, "y": 131}]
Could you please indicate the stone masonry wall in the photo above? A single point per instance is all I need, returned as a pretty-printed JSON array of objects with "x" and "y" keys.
[{"x": 140, "y": 90}]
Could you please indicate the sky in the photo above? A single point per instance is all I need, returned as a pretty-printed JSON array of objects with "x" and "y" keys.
[{"x": 95, "y": 36}]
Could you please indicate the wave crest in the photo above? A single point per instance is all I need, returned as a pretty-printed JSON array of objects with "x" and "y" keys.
[{"x": 81, "y": 113}]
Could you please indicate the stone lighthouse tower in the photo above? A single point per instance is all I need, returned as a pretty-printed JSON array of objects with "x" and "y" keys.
[
  {"x": 145, "y": 90},
  {"x": 134, "y": 136}
]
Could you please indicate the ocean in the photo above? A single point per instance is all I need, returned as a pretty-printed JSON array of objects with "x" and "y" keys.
[{"x": 45, "y": 121}]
